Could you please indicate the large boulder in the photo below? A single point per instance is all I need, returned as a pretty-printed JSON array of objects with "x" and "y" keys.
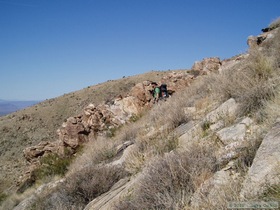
[{"x": 125, "y": 108}]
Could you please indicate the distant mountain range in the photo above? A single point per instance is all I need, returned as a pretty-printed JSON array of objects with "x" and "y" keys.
[{"x": 7, "y": 107}]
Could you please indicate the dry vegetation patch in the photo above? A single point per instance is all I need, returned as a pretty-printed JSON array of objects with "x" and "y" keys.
[
  {"x": 169, "y": 181},
  {"x": 81, "y": 187}
]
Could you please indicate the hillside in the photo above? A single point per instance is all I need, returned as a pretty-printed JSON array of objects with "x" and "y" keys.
[
  {"x": 213, "y": 143},
  {"x": 40, "y": 122}
]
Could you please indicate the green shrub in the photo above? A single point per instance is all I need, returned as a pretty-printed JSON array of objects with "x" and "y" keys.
[
  {"x": 271, "y": 194},
  {"x": 3, "y": 197},
  {"x": 134, "y": 118},
  {"x": 52, "y": 165},
  {"x": 111, "y": 132}
]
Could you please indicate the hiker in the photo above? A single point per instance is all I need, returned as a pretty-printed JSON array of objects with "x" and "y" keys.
[
  {"x": 155, "y": 92},
  {"x": 159, "y": 92}
]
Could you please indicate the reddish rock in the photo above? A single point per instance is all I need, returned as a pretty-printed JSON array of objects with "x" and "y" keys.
[
  {"x": 207, "y": 65},
  {"x": 33, "y": 152}
]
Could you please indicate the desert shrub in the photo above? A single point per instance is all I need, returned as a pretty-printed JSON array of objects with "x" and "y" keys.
[
  {"x": 263, "y": 82},
  {"x": 128, "y": 132},
  {"x": 247, "y": 154},
  {"x": 271, "y": 112},
  {"x": 271, "y": 194},
  {"x": 226, "y": 194},
  {"x": 169, "y": 181},
  {"x": 90, "y": 182},
  {"x": 95, "y": 151},
  {"x": 52, "y": 165},
  {"x": 165, "y": 144},
  {"x": 158, "y": 144},
  {"x": 10, "y": 201},
  {"x": 57, "y": 200},
  {"x": 169, "y": 113},
  {"x": 271, "y": 48},
  {"x": 135, "y": 161},
  {"x": 200, "y": 90},
  {"x": 134, "y": 118},
  {"x": 80, "y": 188},
  {"x": 111, "y": 132},
  {"x": 252, "y": 85}
]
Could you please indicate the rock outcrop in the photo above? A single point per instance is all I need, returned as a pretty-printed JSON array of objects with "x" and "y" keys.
[
  {"x": 207, "y": 65},
  {"x": 254, "y": 41}
]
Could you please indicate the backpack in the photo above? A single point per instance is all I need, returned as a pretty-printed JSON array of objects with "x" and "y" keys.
[{"x": 163, "y": 91}]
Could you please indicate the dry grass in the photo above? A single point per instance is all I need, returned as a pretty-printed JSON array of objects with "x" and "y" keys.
[
  {"x": 271, "y": 194},
  {"x": 271, "y": 112},
  {"x": 135, "y": 161},
  {"x": 247, "y": 154},
  {"x": 251, "y": 86},
  {"x": 81, "y": 187},
  {"x": 91, "y": 182},
  {"x": 227, "y": 193},
  {"x": 169, "y": 181},
  {"x": 95, "y": 152},
  {"x": 104, "y": 149},
  {"x": 168, "y": 113},
  {"x": 128, "y": 132},
  {"x": 13, "y": 200}
]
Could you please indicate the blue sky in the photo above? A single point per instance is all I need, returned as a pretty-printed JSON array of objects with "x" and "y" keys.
[{"x": 52, "y": 47}]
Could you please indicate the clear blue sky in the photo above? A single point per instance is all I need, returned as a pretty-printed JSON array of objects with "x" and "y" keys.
[{"x": 52, "y": 47}]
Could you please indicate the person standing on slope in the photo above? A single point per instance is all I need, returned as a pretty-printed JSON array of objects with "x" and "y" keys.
[{"x": 156, "y": 92}]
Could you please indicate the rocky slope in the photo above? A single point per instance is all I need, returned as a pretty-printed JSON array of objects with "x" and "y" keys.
[
  {"x": 210, "y": 148},
  {"x": 39, "y": 123}
]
